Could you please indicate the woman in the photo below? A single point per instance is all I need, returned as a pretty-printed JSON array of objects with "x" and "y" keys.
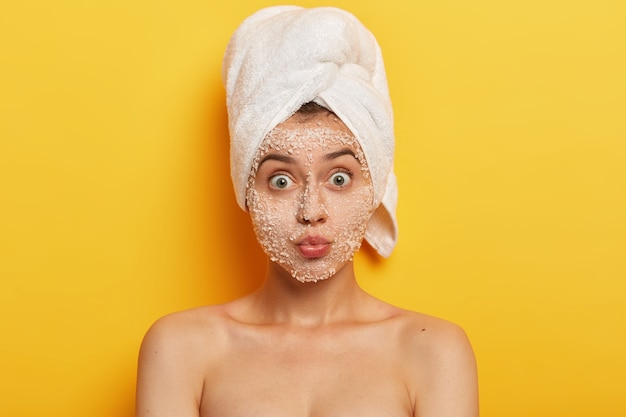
[{"x": 311, "y": 159}]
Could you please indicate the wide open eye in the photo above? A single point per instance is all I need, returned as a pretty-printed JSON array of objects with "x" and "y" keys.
[
  {"x": 340, "y": 179},
  {"x": 280, "y": 181}
]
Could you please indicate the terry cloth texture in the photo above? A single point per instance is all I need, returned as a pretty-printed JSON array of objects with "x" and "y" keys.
[{"x": 285, "y": 56}]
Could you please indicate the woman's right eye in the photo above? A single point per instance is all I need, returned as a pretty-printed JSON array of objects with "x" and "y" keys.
[{"x": 280, "y": 182}]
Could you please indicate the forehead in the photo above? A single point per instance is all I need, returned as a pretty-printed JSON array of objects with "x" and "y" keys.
[{"x": 313, "y": 134}]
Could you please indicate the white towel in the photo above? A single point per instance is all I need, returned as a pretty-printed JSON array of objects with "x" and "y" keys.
[{"x": 285, "y": 56}]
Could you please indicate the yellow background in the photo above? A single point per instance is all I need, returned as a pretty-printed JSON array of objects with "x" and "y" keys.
[{"x": 116, "y": 204}]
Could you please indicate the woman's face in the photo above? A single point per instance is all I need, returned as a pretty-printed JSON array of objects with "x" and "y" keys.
[{"x": 310, "y": 196}]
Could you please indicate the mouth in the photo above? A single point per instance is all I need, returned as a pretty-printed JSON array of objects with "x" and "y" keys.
[{"x": 313, "y": 247}]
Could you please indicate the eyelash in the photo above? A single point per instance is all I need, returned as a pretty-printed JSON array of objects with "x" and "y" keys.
[
  {"x": 341, "y": 171},
  {"x": 274, "y": 176}
]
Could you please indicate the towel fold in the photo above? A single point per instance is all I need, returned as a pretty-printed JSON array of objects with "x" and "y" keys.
[{"x": 285, "y": 56}]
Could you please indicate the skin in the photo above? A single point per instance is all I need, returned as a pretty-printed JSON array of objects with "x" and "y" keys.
[
  {"x": 305, "y": 172},
  {"x": 312, "y": 349}
]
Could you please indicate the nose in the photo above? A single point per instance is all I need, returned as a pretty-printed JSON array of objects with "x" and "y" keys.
[{"x": 311, "y": 209}]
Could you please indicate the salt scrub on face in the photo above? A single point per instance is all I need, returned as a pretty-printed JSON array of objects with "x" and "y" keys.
[{"x": 312, "y": 205}]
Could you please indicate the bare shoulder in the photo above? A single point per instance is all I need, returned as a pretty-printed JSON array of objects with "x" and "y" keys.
[
  {"x": 431, "y": 334},
  {"x": 186, "y": 327},
  {"x": 441, "y": 365},
  {"x": 174, "y": 355}
]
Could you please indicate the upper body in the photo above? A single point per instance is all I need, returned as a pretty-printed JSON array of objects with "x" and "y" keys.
[
  {"x": 362, "y": 358},
  {"x": 316, "y": 179},
  {"x": 309, "y": 342}
]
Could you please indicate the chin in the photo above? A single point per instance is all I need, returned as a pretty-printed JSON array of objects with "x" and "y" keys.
[
  {"x": 313, "y": 272},
  {"x": 312, "y": 277}
]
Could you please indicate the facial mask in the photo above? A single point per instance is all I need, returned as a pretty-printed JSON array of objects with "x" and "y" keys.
[{"x": 325, "y": 208}]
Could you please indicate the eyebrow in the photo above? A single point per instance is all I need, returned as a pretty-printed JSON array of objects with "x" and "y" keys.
[
  {"x": 290, "y": 160},
  {"x": 337, "y": 154},
  {"x": 277, "y": 157}
]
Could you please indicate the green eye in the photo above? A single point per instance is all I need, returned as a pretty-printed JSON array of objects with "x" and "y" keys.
[
  {"x": 340, "y": 179},
  {"x": 280, "y": 182}
]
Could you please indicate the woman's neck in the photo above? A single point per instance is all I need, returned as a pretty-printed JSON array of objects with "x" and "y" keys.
[{"x": 282, "y": 299}]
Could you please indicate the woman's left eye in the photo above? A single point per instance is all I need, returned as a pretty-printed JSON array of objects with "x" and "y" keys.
[{"x": 340, "y": 179}]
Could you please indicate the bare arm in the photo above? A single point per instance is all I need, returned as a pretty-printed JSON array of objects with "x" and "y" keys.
[
  {"x": 449, "y": 386},
  {"x": 168, "y": 381}
]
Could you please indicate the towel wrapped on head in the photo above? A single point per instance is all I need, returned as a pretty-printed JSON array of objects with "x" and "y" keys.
[{"x": 285, "y": 56}]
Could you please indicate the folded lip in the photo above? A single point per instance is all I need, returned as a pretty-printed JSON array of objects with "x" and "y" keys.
[
  {"x": 312, "y": 241},
  {"x": 313, "y": 246}
]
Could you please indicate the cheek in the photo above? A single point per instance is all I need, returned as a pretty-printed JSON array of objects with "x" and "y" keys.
[
  {"x": 350, "y": 215},
  {"x": 353, "y": 207},
  {"x": 272, "y": 219}
]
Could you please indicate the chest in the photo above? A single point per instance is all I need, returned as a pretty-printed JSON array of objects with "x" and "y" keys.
[{"x": 295, "y": 375}]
